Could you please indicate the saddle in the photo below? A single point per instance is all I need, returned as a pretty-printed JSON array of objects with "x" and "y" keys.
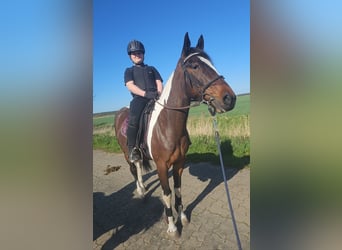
[{"x": 144, "y": 122}]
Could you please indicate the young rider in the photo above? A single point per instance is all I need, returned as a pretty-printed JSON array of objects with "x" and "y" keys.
[{"x": 145, "y": 83}]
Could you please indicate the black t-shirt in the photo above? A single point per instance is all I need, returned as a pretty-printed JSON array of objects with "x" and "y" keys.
[{"x": 143, "y": 76}]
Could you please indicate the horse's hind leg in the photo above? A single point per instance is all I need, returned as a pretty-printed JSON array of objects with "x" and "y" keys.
[
  {"x": 177, "y": 175},
  {"x": 141, "y": 189},
  {"x": 136, "y": 171}
]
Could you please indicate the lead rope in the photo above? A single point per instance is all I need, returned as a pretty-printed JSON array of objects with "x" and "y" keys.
[{"x": 217, "y": 137}]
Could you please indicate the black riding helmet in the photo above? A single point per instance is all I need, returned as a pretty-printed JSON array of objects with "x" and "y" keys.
[{"x": 135, "y": 46}]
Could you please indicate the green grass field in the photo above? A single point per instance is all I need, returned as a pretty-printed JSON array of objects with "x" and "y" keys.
[
  {"x": 233, "y": 128},
  {"x": 242, "y": 107},
  {"x": 103, "y": 121}
]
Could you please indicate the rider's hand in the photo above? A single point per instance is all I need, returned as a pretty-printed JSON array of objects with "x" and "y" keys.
[{"x": 151, "y": 94}]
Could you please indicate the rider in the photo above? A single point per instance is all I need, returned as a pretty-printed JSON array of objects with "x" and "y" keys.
[{"x": 145, "y": 83}]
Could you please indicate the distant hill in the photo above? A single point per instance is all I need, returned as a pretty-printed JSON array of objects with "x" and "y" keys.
[{"x": 104, "y": 114}]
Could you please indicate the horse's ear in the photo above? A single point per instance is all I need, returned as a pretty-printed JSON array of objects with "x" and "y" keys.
[
  {"x": 200, "y": 43},
  {"x": 186, "y": 45}
]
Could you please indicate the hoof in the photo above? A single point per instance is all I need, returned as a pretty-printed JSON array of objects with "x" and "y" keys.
[
  {"x": 174, "y": 234},
  {"x": 184, "y": 221},
  {"x": 141, "y": 196},
  {"x": 141, "y": 191}
]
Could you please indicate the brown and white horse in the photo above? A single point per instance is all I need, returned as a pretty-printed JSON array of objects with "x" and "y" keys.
[{"x": 194, "y": 79}]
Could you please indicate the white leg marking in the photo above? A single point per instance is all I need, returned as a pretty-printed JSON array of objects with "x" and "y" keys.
[
  {"x": 181, "y": 214},
  {"x": 167, "y": 200},
  {"x": 172, "y": 227},
  {"x": 184, "y": 219},
  {"x": 178, "y": 192},
  {"x": 140, "y": 184}
]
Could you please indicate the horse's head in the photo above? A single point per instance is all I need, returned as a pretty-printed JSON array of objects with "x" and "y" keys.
[{"x": 204, "y": 83}]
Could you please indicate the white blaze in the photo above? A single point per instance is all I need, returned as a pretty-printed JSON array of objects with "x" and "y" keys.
[{"x": 206, "y": 61}]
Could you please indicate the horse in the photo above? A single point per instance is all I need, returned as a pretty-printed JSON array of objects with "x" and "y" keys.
[{"x": 194, "y": 79}]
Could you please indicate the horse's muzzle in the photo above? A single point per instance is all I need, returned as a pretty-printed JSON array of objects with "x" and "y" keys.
[{"x": 225, "y": 104}]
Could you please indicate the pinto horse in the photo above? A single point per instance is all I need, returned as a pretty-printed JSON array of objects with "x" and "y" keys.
[{"x": 194, "y": 79}]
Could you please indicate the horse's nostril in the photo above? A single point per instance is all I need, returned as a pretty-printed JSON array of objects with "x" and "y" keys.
[
  {"x": 226, "y": 99},
  {"x": 229, "y": 100}
]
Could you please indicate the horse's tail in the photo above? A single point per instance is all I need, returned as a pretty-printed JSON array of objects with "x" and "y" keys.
[{"x": 146, "y": 165}]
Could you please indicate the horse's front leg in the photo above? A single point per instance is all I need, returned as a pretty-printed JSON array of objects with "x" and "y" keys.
[
  {"x": 141, "y": 189},
  {"x": 177, "y": 179},
  {"x": 164, "y": 182}
]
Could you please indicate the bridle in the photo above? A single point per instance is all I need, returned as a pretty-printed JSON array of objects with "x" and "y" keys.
[{"x": 187, "y": 75}]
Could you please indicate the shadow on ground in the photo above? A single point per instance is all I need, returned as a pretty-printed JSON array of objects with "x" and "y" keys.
[
  {"x": 208, "y": 171},
  {"x": 124, "y": 215}
]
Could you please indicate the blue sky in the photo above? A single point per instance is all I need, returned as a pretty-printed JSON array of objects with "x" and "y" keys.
[{"x": 161, "y": 26}]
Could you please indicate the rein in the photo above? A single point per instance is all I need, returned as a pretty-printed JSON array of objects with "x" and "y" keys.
[{"x": 178, "y": 108}]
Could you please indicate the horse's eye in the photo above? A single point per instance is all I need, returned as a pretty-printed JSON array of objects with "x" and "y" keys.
[{"x": 195, "y": 66}]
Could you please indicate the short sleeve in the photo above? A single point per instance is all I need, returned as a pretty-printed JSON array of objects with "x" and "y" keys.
[
  {"x": 128, "y": 75},
  {"x": 157, "y": 76}
]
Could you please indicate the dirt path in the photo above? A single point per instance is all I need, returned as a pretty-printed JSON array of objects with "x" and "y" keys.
[{"x": 123, "y": 221}]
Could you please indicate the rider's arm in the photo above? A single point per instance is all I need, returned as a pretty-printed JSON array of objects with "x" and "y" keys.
[
  {"x": 159, "y": 86},
  {"x": 134, "y": 88}
]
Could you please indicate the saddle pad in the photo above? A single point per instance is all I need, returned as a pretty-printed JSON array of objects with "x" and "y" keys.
[{"x": 124, "y": 126}]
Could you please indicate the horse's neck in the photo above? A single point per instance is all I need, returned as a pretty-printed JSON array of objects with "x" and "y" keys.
[
  {"x": 175, "y": 99},
  {"x": 176, "y": 95}
]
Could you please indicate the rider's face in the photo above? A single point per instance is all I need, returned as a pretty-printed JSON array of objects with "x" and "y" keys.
[{"x": 137, "y": 57}]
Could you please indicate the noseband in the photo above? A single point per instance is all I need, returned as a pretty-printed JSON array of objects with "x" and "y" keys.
[{"x": 206, "y": 86}]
